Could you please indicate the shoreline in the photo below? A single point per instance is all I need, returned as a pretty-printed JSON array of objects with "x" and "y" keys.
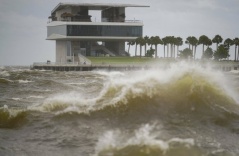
[{"x": 223, "y": 66}]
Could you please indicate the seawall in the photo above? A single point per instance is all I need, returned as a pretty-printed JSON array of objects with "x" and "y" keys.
[{"x": 223, "y": 66}]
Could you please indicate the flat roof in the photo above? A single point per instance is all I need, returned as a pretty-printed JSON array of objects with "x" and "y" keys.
[{"x": 95, "y": 6}]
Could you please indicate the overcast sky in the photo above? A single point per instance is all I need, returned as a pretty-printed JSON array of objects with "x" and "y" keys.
[{"x": 23, "y": 24}]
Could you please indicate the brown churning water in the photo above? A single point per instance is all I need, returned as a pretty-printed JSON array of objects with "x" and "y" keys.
[{"x": 183, "y": 110}]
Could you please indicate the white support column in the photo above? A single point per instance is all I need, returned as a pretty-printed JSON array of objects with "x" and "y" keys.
[{"x": 61, "y": 51}]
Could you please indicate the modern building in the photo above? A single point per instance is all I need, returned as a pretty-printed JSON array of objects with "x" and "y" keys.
[{"x": 77, "y": 35}]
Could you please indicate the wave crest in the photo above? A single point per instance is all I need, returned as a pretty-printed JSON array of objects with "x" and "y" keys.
[
  {"x": 189, "y": 88},
  {"x": 11, "y": 118},
  {"x": 143, "y": 141}
]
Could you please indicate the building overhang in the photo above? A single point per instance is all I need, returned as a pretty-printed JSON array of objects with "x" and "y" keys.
[
  {"x": 132, "y": 23},
  {"x": 94, "y": 6},
  {"x": 93, "y": 38}
]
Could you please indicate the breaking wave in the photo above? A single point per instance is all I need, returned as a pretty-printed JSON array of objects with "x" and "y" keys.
[
  {"x": 144, "y": 141},
  {"x": 183, "y": 87},
  {"x": 4, "y": 73},
  {"x": 11, "y": 118},
  {"x": 5, "y": 81}
]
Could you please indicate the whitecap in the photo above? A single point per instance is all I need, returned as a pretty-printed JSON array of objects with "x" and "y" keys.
[
  {"x": 144, "y": 136},
  {"x": 4, "y": 73},
  {"x": 24, "y": 81},
  {"x": 234, "y": 71},
  {"x": 16, "y": 99},
  {"x": 35, "y": 97}
]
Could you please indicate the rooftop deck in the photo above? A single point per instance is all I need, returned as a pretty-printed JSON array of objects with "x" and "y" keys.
[
  {"x": 94, "y": 6},
  {"x": 79, "y": 12}
]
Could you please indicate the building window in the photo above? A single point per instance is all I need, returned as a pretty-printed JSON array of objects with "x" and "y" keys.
[{"x": 98, "y": 30}]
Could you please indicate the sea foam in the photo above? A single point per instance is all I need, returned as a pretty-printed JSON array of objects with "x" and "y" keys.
[
  {"x": 116, "y": 141},
  {"x": 122, "y": 87}
]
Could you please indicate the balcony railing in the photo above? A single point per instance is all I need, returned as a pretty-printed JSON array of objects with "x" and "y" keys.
[
  {"x": 57, "y": 63},
  {"x": 89, "y": 20}
]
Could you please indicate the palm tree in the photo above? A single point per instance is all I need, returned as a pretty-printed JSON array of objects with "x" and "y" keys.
[
  {"x": 129, "y": 43},
  {"x": 167, "y": 41},
  {"x": 227, "y": 43},
  {"x": 146, "y": 39},
  {"x": 132, "y": 43},
  {"x": 175, "y": 41},
  {"x": 188, "y": 41},
  {"x": 155, "y": 41},
  {"x": 179, "y": 43},
  {"x": 141, "y": 43},
  {"x": 208, "y": 43},
  {"x": 137, "y": 41},
  {"x": 171, "y": 42},
  {"x": 164, "y": 44},
  {"x": 150, "y": 42},
  {"x": 204, "y": 41},
  {"x": 217, "y": 39},
  {"x": 194, "y": 43},
  {"x": 236, "y": 43}
]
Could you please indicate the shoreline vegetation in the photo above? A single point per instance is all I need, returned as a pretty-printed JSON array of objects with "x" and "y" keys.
[
  {"x": 171, "y": 46},
  {"x": 149, "y": 61},
  {"x": 147, "y": 54}
]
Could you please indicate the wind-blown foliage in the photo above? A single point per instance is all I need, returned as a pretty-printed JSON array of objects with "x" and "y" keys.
[
  {"x": 221, "y": 52},
  {"x": 146, "y": 39},
  {"x": 172, "y": 43},
  {"x": 217, "y": 39},
  {"x": 185, "y": 54},
  {"x": 155, "y": 40},
  {"x": 179, "y": 42},
  {"x": 208, "y": 54},
  {"x": 150, "y": 52},
  {"x": 165, "y": 43},
  {"x": 236, "y": 43},
  {"x": 204, "y": 40}
]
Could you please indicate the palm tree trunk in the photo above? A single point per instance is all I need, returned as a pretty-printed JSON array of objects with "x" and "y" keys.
[
  {"x": 135, "y": 49},
  {"x": 156, "y": 50},
  {"x": 202, "y": 50},
  {"x": 140, "y": 51},
  {"x": 171, "y": 50},
  {"x": 177, "y": 51},
  {"x": 174, "y": 51},
  {"x": 145, "y": 49},
  {"x": 164, "y": 50},
  {"x": 195, "y": 52},
  {"x": 235, "y": 52},
  {"x": 167, "y": 49},
  {"x": 128, "y": 48}
]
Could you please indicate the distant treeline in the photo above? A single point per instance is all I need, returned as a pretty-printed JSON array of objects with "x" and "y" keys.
[{"x": 172, "y": 43}]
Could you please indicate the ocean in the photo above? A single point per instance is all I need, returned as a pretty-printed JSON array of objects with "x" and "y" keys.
[{"x": 183, "y": 110}]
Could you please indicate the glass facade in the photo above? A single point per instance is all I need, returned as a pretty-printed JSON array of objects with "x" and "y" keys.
[{"x": 104, "y": 30}]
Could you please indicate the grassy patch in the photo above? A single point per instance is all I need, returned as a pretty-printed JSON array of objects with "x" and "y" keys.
[{"x": 122, "y": 60}]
